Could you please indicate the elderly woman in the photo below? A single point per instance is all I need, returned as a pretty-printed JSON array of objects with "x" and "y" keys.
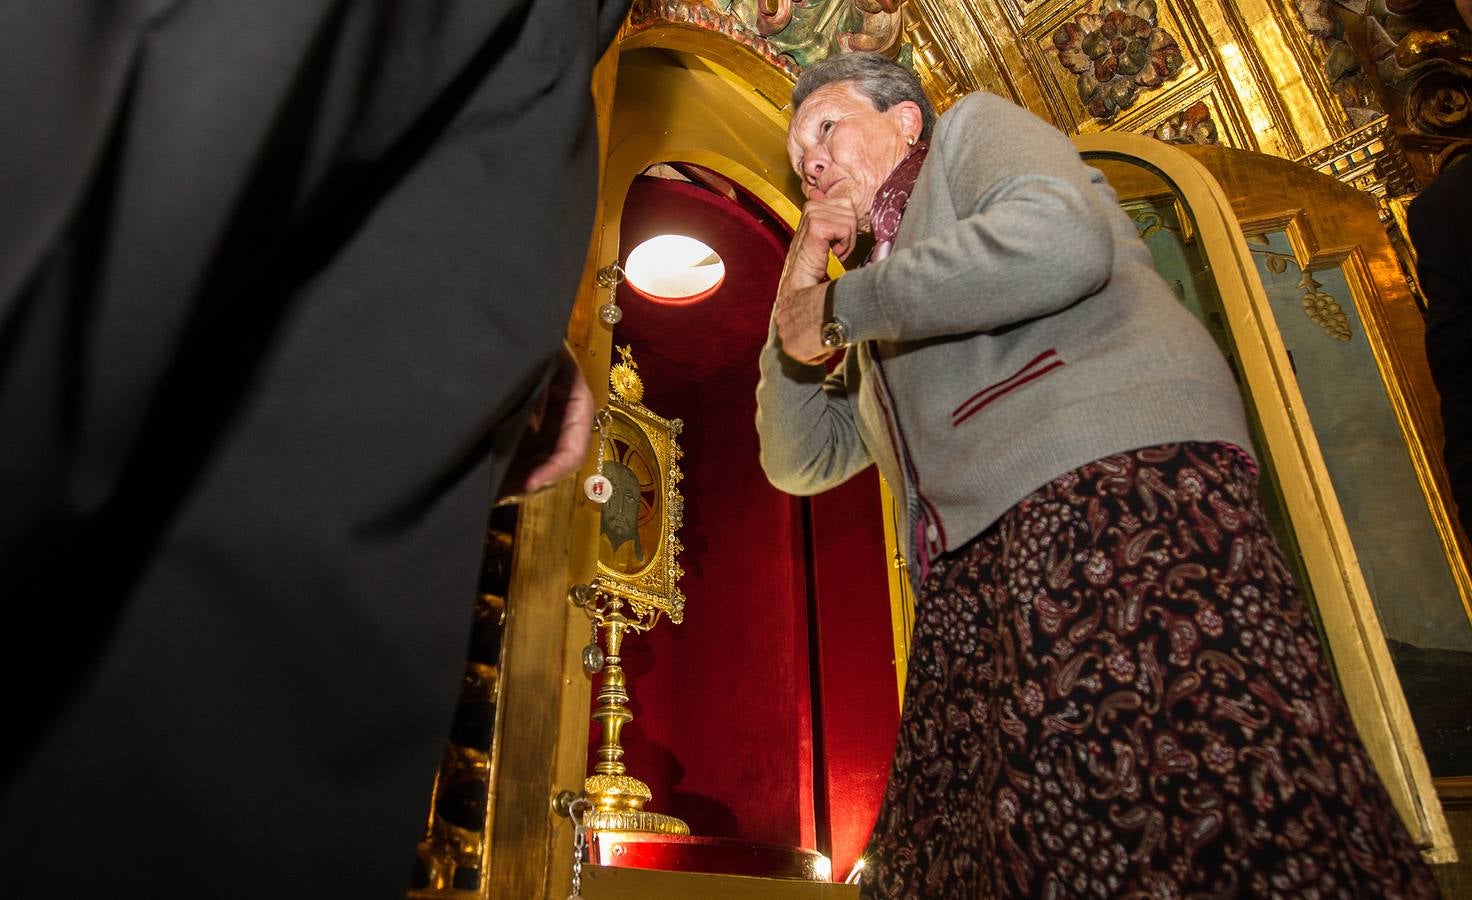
[{"x": 1114, "y": 688}]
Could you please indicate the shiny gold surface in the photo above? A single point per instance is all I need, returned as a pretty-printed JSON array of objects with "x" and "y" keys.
[
  {"x": 1399, "y": 207},
  {"x": 651, "y": 588},
  {"x": 1284, "y": 77},
  {"x": 1366, "y": 159},
  {"x": 1253, "y": 64},
  {"x": 626, "y": 598},
  {"x": 1356, "y": 641},
  {"x": 618, "y": 791},
  {"x": 624, "y": 380},
  {"x": 635, "y": 820},
  {"x": 618, "y": 798},
  {"x": 1294, "y": 63},
  {"x": 618, "y": 805},
  {"x": 932, "y": 63},
  {"x": 447, "y": 848},
  {"x": 1005, "y": 46},
  {"x": 522, "y": 832},
  {"x": 901, "y": 597}
]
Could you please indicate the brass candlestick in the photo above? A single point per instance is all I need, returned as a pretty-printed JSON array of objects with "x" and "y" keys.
[{"x": 618, "y": 798}]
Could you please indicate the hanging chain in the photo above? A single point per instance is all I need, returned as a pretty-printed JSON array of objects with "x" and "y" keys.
[
  {"x": 609, "y": 277},
  {"x": 577, "y": 811},
  {"x": 592, "y": 654},
  {"x": 596, "y": 487}
]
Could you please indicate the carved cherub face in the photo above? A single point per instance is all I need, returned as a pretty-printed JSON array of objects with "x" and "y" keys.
[{"x": 843, "y": 147}]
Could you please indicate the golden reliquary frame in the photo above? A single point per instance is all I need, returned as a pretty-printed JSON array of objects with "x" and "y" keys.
[
  {"x": 637, "y": 581},
  {"x": 643, "y": 571}
]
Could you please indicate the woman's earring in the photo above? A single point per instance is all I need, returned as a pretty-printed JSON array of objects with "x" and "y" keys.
[{"x": 909, "y": 140}]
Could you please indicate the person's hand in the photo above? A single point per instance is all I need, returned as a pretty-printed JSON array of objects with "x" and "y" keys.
[
  {"x": 556, "y": 439},
  {"x": 827, "y": 226},
  {"x": 800, "y": 324}
]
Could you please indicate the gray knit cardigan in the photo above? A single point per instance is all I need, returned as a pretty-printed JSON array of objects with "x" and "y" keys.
[{"x": 1016, "y": 332}]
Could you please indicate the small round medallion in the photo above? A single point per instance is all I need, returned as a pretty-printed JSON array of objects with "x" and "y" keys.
[
  {"x": 597, "y": 488},
  {"x": 610, "y": 314}
]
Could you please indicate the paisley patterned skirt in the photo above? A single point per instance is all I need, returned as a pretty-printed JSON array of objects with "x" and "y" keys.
[{"x": 1116, "y": 691}]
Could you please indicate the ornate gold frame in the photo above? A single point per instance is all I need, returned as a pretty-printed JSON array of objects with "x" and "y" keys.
[{"x": 654, "y": 588}]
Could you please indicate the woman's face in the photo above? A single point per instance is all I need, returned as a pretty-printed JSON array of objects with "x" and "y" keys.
[{"x": 842, "y": 147}]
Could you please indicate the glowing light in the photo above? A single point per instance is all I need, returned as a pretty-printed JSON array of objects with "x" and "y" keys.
[
  {"x": 823, "y": 868},
  {"x": 673, "y": 268},
  {"x": 855, "y": 872}
]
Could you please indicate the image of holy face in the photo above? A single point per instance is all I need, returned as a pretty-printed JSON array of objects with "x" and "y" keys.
[{"x": 619, "y": 521}]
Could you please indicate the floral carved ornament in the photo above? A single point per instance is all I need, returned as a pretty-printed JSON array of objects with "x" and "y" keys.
[{"x": 1116, "y": 52}]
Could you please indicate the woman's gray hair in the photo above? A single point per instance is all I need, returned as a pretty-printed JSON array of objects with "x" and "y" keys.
[{"x": 876, "y": 76}]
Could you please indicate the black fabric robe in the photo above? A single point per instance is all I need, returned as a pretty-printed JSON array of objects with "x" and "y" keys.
[
  {"x": 1440, "y": 224},
  {"x": 278, "y": 279}
]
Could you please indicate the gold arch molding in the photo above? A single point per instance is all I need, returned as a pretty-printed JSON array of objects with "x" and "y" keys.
[{"x": 686, "y": 95}]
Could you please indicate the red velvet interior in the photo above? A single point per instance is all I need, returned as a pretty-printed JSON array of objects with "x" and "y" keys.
[
  {"x": 741, "y": 728},
  {"x": 859, "y": 697}
]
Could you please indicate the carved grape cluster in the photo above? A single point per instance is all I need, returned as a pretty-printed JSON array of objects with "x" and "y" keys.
[
  {"x": 1116, "y": 52},
  {"x": 1323, "y": 310}
]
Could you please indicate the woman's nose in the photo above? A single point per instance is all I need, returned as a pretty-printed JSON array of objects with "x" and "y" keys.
[{"x": 812, "y": 168}]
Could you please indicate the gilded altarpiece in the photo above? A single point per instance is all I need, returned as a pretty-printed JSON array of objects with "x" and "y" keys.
[
  {"x": 1250, "y": 74},
  {"x": 1249, "y": 67},
  {"x": 1377, "y": 93}
]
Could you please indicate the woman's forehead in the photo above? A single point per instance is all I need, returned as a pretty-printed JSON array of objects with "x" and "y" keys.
[
  {"x": 835, "y": 99},
  {"x": 842, "y": 96}
]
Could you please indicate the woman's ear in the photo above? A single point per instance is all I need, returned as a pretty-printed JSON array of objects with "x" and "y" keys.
[{"x": 911, "y": 120}]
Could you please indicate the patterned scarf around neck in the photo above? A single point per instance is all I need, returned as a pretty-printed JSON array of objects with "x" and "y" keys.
[
  {"x": 884, "y": 221},
  {"x": 891, "y": 199}
]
